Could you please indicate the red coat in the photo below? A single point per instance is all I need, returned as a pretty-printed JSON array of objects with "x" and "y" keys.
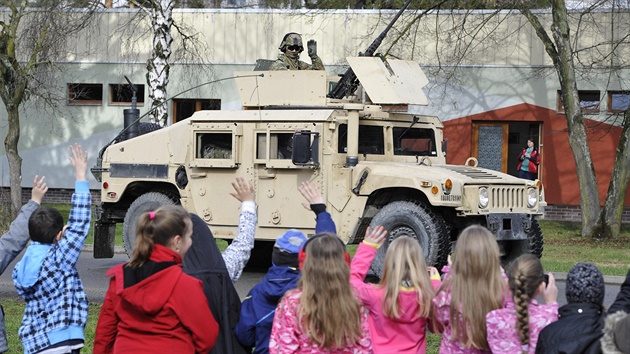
[
  {"x": 155, "y": 309},
  {"x": 534, "y": 160}
]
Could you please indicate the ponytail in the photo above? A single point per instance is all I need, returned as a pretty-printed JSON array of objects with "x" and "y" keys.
[
  {"x": 526, "y": 274},
  {"x": 159, "y": 227},
  {"x": 521, "y": 299}
]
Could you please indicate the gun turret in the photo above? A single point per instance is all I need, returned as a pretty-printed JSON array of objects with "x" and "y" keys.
[{"x": 349, "y": 82}]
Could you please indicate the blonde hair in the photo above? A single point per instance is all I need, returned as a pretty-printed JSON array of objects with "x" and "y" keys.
[
  {"x": 525, "y": 276},
  {"x": 329, "y": 313},
  {"x": 404, "y": 263},
  {"x": 476, "y": 285},
  {"x": 158, "y": 227}
]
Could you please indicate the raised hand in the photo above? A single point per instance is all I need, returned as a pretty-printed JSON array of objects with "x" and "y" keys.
[
  {"x": 243, "y": 191},
  {"x": 79, "y": 160},
  {"x": 39, "y": 189},
  {"x": 311, "y": 45},
  {"x": 550, "y": 293},
  {"x": 311, "y": 194},
  {"x": 433, "y": 272},
  {"x": 376, "y": 235}
]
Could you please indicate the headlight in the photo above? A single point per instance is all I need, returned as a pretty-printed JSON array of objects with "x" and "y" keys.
[
  {"x": 531, "y": 198},
  {"x": 483, "y": 197}
]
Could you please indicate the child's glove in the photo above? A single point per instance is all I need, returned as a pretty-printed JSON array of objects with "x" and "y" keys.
[{"x": 312, "y": 48}]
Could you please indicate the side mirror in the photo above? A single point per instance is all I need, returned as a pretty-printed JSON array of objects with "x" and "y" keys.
[
  {"x": 444, "y": 144},
  {"x": 304, "y": 153}
]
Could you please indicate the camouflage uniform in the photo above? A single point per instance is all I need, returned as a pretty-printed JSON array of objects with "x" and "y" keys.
[{"x": 290, "y": 60}]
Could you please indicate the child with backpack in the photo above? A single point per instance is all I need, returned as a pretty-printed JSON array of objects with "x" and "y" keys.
[
  {"x": 322, "y": 315},
  {"x": 473, "y": 285},
  {"x": 259, "y": 306},
  {"x": 515, "y": 329},
  {"x": 399, "y": 305}
]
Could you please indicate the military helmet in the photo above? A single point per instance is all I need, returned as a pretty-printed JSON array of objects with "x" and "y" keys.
[{"x": 291, "y": 39}]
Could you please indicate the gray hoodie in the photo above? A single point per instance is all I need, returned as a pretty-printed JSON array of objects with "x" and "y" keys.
[{"x": 11, "y": 244}]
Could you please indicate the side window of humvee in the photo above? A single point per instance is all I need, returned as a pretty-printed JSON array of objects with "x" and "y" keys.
[
  {"x": 371, "y": 139},
  {"x": 214, "y": 146},
  {"x": 280, "y": 146},
  {"x": 414, "y": 142}
]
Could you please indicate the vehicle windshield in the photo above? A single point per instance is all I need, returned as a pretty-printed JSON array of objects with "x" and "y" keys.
[{"x": 414, "y": 141}]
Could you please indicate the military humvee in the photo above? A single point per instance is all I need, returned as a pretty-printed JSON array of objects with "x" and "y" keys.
[{"x": 374, "y": 162}]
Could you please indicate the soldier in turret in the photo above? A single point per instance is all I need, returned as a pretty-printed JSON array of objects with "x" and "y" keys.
[{"x": 291, "y": 47}]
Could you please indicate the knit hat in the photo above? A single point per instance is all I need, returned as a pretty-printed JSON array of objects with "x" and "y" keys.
[
  {"x": 287, "y": 247},
  {"x": 585, "y": 284}
]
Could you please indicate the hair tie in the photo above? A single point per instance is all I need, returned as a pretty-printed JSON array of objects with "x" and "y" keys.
[{"x": 151, "y": 215}]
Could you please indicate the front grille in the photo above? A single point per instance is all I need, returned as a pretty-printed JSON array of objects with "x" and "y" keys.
[{"x": 508, "y": 197}]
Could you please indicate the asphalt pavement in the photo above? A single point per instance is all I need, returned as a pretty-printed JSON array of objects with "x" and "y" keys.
[{"x": 92, "y": 272}]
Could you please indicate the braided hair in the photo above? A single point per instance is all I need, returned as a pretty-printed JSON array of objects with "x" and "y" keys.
[{"x": 525, "y": 276}]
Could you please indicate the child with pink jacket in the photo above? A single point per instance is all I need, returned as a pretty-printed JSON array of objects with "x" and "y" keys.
[{"x": 399, "y": 305}]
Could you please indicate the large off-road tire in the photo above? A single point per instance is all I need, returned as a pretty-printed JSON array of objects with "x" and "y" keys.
[
  {"x": 510, "y": 250},
  {"x": 406, "y": 218},
  {"x": 144, "y": 203},
  {"x": 143, "y": 128}
]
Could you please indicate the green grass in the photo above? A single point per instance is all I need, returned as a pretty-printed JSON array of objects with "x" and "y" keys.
[{"x": 564, "y": 248}]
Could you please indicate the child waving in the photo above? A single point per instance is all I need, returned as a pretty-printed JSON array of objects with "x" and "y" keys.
[
  {"x": 472, "y": 287},
  {"x": 400, "y": 303},
  {"x": 515, "y": 328}
]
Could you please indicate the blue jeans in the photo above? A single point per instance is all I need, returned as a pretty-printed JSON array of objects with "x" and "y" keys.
[{"x": 527, "y": 175}]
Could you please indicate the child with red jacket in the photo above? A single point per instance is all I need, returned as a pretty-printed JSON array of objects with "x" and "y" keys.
[{"x": 151, "y": 306}]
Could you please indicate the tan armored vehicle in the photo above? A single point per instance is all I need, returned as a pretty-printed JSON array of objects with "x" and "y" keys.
[{"x": 375, "y": 164}]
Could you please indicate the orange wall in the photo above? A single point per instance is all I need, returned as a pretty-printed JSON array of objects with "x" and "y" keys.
[{"x": 558, "y": 166}]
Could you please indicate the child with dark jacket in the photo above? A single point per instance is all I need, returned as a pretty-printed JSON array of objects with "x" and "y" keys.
[
  {"x": 47, "y": 278},
  {"x": 13, "y": 242},
  {"x": 259, "y": 306},
  {"x": 580, "y": 325}
]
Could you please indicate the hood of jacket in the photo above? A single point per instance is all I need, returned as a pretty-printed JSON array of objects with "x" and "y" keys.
[
  {"x": 26, "y": 271},
  {"x": 278, "y": 281},
  {"x": 149, "y": 287}
]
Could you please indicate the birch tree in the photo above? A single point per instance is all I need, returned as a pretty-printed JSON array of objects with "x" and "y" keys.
[
  {"x": 163, "y": 25},
  {"x": 31, "y": 39}
]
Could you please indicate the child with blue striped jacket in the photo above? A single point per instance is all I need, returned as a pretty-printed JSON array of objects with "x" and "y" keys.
[
  {"x": 257, "y": 311},
  {"x": 47, "y": 278}
]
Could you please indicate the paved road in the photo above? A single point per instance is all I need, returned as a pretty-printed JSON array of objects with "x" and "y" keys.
[{"x": 92, "y": 272}]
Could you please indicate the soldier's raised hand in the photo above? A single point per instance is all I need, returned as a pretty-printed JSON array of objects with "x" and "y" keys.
[
  {"x": 312, "y": 48},
  {"x": 311, "y": 194},
  {"x": 243, "y": 191},
  {"x": 39, "y": 189}
]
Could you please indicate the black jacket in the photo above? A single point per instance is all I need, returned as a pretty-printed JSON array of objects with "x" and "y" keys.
[
  {"x": 580, "y": 326},
  {"x": 205, "y": 262}
]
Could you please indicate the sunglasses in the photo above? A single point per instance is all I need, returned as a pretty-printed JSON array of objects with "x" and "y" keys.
[{"x": 294, "y": 48}]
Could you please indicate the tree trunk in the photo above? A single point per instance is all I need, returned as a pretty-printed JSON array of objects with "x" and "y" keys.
[
  {"x": 613, "y": 208},
  {"x": 15, "y": 161},
  {"x": 158, "y": 65},
  {"x": 563, "y": 63}
]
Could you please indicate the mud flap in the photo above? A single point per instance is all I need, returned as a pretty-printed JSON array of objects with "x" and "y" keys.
[
  {"x": 104, "y": 234},
  {"x": 509, "y": 227}
]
